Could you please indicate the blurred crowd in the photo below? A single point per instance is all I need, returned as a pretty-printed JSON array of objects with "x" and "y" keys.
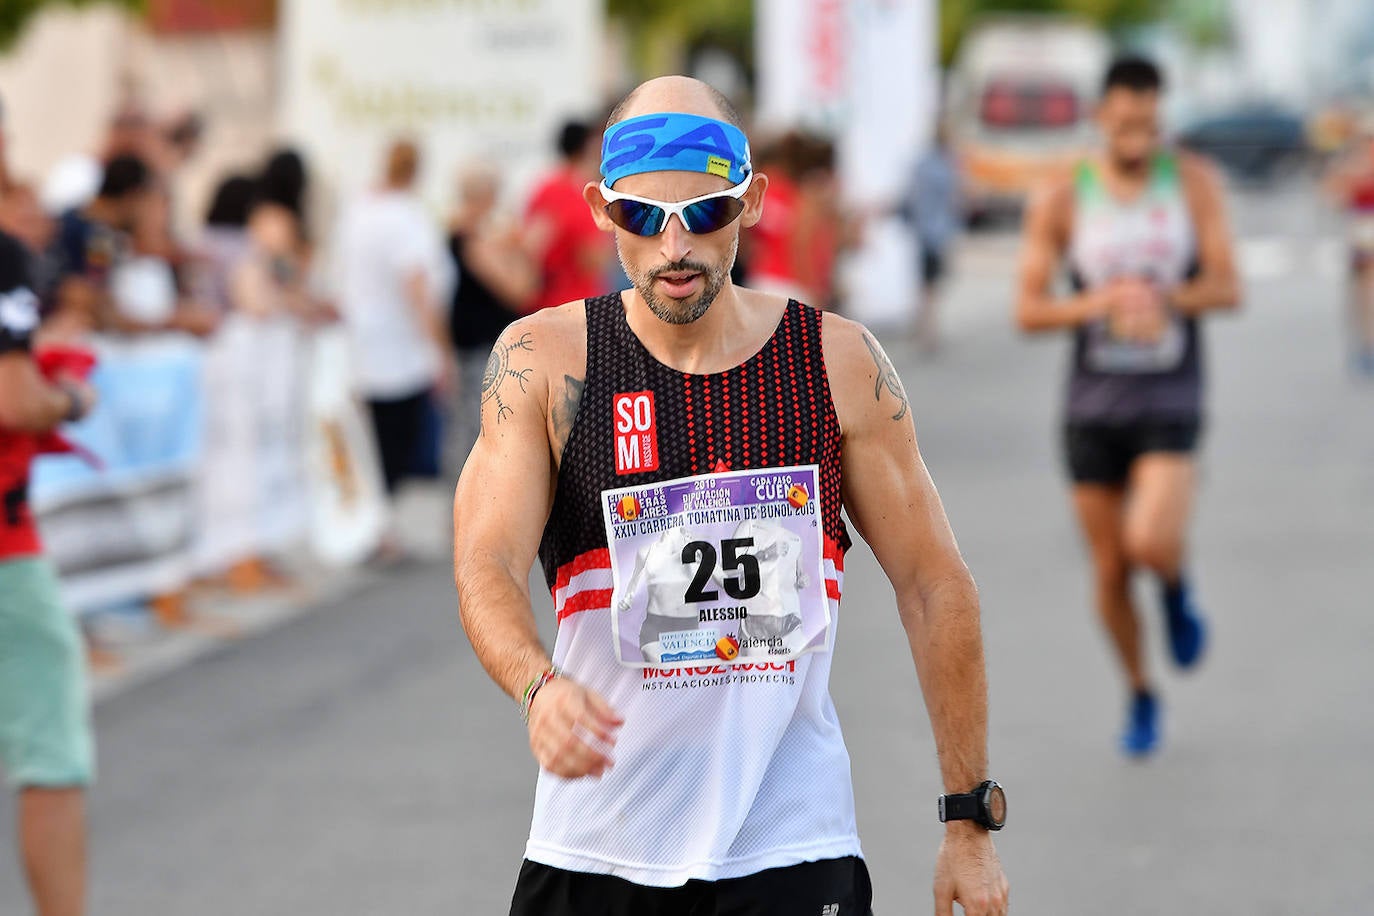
[
  {"x": 419, "y": 301},
  {"x": 415, "y": 300}
]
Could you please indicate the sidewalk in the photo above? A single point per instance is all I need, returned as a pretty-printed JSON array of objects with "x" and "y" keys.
[{"x": 218, "y": 619}]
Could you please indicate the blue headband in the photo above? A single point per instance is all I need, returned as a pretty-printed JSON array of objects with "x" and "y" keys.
[{"x": 674, "y": 142}]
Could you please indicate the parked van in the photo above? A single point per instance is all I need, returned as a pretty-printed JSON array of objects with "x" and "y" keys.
[{"x": 1019, "y": 103}]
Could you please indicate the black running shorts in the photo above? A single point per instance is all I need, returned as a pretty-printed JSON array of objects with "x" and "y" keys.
[
  {"x": 831, "y": 887},
  {"x": 1104, "y": 453}
]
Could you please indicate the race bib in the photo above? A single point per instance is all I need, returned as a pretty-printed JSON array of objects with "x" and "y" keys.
[
  {"x": 719, "y": 567},
  {"x": 1106, "y": 353}
]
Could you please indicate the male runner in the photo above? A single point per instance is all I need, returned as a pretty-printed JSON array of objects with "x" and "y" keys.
[
  {"x": 1143, "y": 231},
  {"x": 647, "y": 802}
]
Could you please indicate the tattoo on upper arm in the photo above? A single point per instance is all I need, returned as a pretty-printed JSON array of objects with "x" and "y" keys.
[
  {"x": 500, "y": 368},
  {"x": 565, "y": 410},
  {"x": 887, "y": 377}
]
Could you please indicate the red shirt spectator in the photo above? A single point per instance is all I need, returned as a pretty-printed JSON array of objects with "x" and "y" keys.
[
  {"x": 773, "y": 242},
  {"x": 572, "y": 254}
]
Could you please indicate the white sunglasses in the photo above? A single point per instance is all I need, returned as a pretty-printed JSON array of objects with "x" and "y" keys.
[{"x": 700, "y": 215}]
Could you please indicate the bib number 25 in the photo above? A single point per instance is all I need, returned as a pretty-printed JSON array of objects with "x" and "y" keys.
[{"x": 742, "y": 579}]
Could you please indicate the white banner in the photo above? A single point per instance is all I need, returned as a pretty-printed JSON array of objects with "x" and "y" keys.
[
  {"x": 802, "y": 53},
  {"x": 488, "y": 80}
]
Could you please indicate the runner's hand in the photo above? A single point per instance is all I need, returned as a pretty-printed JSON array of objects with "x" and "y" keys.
[
  {"x": 969, "y": 873},
  {"x": 572, "y": 730},
  {"x": 1136, "y": 311},
  {"x": 1100, "y": 303}
]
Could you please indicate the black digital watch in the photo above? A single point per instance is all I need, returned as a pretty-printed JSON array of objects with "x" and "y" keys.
[{"x": 985, "y": 806}]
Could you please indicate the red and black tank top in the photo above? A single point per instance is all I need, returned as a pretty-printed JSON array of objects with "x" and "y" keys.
[{"x": 773, "y": 410}]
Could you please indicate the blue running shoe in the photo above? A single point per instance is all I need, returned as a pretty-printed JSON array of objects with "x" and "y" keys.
[
  {"x": 1141, "y": 736},
  {"x": 1187, "y": 629}
]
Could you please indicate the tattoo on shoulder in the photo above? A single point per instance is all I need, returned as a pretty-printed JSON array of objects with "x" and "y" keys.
[
  {"x": 887, "y": 377},
  {"x": 501, "y": 368},
  {"x": 565, "y": 409}
]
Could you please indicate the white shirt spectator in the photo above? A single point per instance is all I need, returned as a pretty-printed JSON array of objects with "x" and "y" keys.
[{"x": 383, "y": 238}]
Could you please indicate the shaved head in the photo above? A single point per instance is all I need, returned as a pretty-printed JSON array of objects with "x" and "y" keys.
[{"x": 676, "y": 93}]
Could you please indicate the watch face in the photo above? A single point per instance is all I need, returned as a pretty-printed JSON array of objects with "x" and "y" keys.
[{"x": 995, "y": 803}]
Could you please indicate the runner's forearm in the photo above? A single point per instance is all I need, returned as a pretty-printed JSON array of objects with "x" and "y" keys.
[
  {"x": 1205, "y": 294},
  {"x": 947, "y": 645},
  {"x": 28, "y": 403},
  {"x": 494, "y": 606},
  {"x": 1039, "y": 314}
]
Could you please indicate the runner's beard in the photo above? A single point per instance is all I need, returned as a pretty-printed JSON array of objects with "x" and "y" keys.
[{"x": 681, "y": 311}]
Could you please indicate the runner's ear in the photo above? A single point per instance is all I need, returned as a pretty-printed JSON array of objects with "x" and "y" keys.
[
  {"x": 753, "y": 201},
  {"x": 591, "y": 193}
]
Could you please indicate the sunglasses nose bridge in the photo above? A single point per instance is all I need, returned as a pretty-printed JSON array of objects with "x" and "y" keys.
[{"x": 675, "y": 239}]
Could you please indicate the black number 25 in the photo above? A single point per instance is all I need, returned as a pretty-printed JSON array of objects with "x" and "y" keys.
[{"x": 744, "y": 584}]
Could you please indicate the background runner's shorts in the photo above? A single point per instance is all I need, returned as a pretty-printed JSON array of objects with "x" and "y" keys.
[
  {"x": 830, "y": 887},
  {"x": 1104, "y": 453},
  {"x": 45, "y": 726}
]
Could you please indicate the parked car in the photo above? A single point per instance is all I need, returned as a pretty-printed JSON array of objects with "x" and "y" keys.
[{"x": 1255, "y": 144}]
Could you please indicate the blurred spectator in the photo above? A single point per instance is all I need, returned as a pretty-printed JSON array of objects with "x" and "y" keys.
[
  {"x": 267, "y": 288},
  {"x": 131, "y": 133},
  {"x": 1351, "y": 182},
  {"x": 230, "y": 493},
  {"x": 822, "y": 229},
  {"x": 280, "y": 196},
  {"x": 795, "y": 245},
  {"x": 224, "y": 243},
  {"x": 93, "y": 239},
  {"x": 393, "y": 281},
  {"x": 934, "y": 208},
  {"x": 146, "y": 292},
  {"x": 46, "y": 744},
  {"x": 181, "y": 136},
  {"x": 772, "y": 258},
  {"x": 496, "y": 283},
  {"x": 572, "y": 254},
  {"x": 281, "y": 239},
  {"x": 22, "y": 216}
]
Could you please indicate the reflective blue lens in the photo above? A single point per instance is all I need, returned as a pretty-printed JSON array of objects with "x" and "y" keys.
[
  {"x": 633, "y": 216},
  {"x": 712, "y": 214}
]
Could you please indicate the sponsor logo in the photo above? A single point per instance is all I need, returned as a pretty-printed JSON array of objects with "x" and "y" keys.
[
  {"x": 636, "y": 140},
  {"x": 727, "y": 647},
  {"x": 688, "y": 645},
  {"x": 653, "y": 674},
  {"x": 715, "y": 165},
  {"x": 636, "y": 432},
  {"x": 773, "y": 644}
]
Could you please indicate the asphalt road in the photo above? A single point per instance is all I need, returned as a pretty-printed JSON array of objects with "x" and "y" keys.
[{"x": 358, "y": 761}]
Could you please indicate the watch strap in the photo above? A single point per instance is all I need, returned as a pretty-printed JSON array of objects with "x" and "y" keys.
[{"x": 964, "y": 807}]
